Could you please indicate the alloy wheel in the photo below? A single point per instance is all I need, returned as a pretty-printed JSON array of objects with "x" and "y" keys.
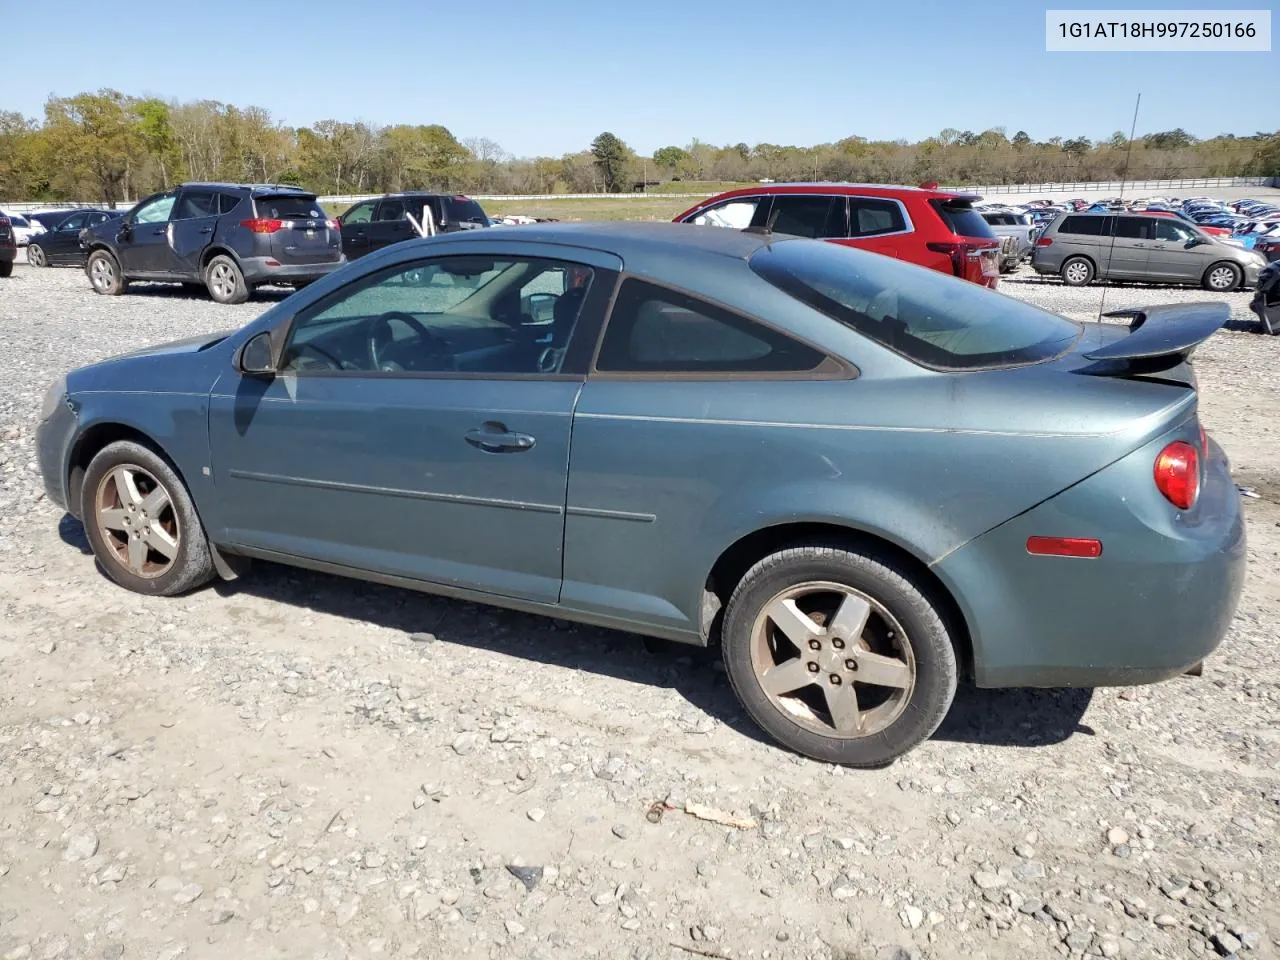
[
  {"x": 222, "y": 281},
  {"x": 136, "y": 517},
  {"x": 35, "y": 255},
  {"x": 102, "y": 273},
  {"x": 833, "y": 660}
]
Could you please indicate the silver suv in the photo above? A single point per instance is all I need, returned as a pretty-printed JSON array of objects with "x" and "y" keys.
[
  {"x": 1019, "y": 228},
  {"x": 1082, "y": 247}
]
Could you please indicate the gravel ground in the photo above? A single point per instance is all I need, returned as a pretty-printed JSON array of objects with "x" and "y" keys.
[{"x": 294, "y": 765}]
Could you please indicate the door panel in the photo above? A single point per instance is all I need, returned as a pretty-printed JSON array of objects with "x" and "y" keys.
[
  {"x": 195, "y": 216},
  {"x": 143, "y": 243},
  {"x": 1171, "y": 259},
  {"x": 379, "y": 474},
  {"x": 389, "y": 225},
  {"x": 1131, "y": 248}
]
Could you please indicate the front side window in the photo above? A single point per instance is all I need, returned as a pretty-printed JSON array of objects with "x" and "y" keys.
[
  {"x": 732, "y": 214},
  {"x": 196, "y": 204},
  {"x": 1172, "y": 230},
  {"x": 73, "y": 224},
  {"x": 155, "y": 211},
  {"x": 805, "y": 216},
  {"x": 656, "y": 330},
  {"x": 923, "y": 315},
  {"x": 870, "y": 216},
  {"x": 465, "y": 314}
]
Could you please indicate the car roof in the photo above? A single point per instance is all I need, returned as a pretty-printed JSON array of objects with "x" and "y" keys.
[
  {"x": 632, "y": 237},
  {"x": 255, "y": 188},
  {"x": 833, "y": 187}
]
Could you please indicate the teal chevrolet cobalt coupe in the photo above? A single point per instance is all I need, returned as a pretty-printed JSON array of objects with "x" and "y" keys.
[{"x": 863, "y": 479}]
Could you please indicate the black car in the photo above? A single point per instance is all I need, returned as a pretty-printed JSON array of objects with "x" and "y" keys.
[
  {"x": 228, "y": 237},
  {"x": 59, "y": 245},
  {"x": 8, "y": 247},
  {"x": 373, "y": 224}
]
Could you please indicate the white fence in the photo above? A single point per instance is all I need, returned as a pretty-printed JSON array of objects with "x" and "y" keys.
[{"x": 1130, "y": 187}]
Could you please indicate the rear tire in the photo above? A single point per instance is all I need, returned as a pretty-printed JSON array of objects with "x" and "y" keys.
[
  {"x": 36, "y": 256},
  {"x": 6, "y": 268},
  {"x": 1077, "y": 271},
  {"x": 875, "y": 680},
  {"x": 104, "y": 274},
  {"x": 224, "y": 281},
  {"x": 1222, "y": 277},
  {"x": 141, "y": 523}
]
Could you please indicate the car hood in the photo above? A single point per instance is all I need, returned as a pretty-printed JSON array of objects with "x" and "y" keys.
[{"x": 188, "y": 345}]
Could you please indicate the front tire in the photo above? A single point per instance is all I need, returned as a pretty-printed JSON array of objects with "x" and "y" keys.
[
  {"x": 36, "y": 256},
  {"x": 141, "y": 523},
  {"x": 1077, "y": 271},
  {"x": 838, "y": 654},
  {"x": 225, "y": 281},
  {"x": 1221, "y": 277},
  {"x": 104, "y": 274}
]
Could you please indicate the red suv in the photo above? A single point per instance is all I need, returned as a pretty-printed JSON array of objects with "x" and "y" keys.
[{"x": 927, "y": 227}]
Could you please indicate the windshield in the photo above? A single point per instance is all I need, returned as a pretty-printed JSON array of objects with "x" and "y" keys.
[
  {"x": 932, "y": 319},
  {"x": 289, "y": 208}
]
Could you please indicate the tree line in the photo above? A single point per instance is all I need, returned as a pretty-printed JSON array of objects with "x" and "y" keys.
[{"x": 109, "y": 147}]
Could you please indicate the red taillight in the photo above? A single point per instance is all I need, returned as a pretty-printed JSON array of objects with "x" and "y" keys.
[
  {"x": 333, "y": 224},
  {"x": 964, "y": 256},
  {"x": 1064, "y": 547},
  {"x": 1044, "y": 242},
  {"x": 1177, "y": 474},
  {"x": 261, "y": 225}
]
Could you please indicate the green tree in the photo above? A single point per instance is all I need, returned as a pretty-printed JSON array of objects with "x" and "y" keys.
[
  {"x": 611, "y": 156},
  {"x": 669, "y": 156},
  {"x": 96, "y": 140},
  {"x": 1169, "y": 139},
  {"x": 1021, "y": 139},
  {"x": 156, "y": 131}
]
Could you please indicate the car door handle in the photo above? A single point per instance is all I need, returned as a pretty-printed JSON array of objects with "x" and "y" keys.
[
  {"x": 206, "y": 229},
  {"x": 160, "y": 231},
  {"x": 496, "y": 438}
]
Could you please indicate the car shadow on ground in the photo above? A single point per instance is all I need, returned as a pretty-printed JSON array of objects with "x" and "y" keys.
[
  {"x": 174, "y": 291},
  {"x": 1012, "y": 718}
]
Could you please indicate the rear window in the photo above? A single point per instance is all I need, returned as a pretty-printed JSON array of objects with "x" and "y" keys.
[
  {"x": 961, "y": 219},
  {"x": 463, "y": 210},
  {"x": 1087, "y": 226},
  {"x": 921, "y": 314},
  {"x": 289, "y": 208}
]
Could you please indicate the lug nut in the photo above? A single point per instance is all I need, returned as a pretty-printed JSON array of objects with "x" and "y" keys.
[
  {"x": 838, "y": 643},
  {"x": 813, "y": 667},
  {"x": 835, "y": 678},
  {"x": 815, "y": 644},
  {"x": 851, "y": 664}
]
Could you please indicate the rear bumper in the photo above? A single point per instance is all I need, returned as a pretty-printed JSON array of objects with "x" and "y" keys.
[
  {"x": 259, "y": 270},
  {"x": 1157, "y": 602}
]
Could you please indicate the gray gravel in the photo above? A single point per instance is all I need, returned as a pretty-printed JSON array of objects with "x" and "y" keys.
[{"x": 299, "y": 766}]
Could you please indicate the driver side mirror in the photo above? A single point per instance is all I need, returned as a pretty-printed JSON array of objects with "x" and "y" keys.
[
  {"x": 1196, "y": 242},
  {"x": 257, "y": 357}
]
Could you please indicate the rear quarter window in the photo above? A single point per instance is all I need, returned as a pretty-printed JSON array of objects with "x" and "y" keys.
[
  {"x": 1085, "y": 226},
  {"x": 929, "y": 318}
]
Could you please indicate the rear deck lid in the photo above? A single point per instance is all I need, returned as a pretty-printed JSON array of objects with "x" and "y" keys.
[{"x": 300, "y": 231}]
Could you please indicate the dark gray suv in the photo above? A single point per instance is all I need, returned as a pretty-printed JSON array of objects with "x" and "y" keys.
[{"x": 227, "y": 237}]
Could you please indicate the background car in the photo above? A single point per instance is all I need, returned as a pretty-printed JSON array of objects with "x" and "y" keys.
[
  {"x": 23, "y": 229},
  {"x": 8, "y": 247},
  {"x": 59, "y": 245},
  {"x": 373, "y": 224},
  {"x": 1082, "y": 247},
  {"x": 228, "y": 237},
  {"x": 790, "y": 407},
  {"x": 1020, "y": 227},
  {"x": 931, "y": 228}
]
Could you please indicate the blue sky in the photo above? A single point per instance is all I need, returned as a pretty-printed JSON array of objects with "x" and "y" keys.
[{"x": 545, "y": 76}]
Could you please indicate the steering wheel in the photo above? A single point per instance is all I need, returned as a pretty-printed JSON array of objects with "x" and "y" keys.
[
  {"x": 380, "y": 333},
  {"x": 326, "y": 361}
]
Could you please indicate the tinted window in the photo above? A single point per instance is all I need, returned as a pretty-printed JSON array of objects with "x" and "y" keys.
[
  {"x": 804, "y": 216},
  {"x": 391, "y": 210},
  {"x": 463, "y": 210},
  {"x": 96, "y": 218},
  {"x": 195, "y": 204},
  {"x": 49, "y": 221},
  {"x": 154, "y": 211},
  {"x": 467, "y": 314},
  {"x": 360, "y": 213},
  {"x": 16, "y": 220},
  {"x": 655, "y": 330},
  {"x": 228, "y": 202},
  {"x": 73, "y": 223},
  {"x": 961, "y": 219},
  {"x": 927, "y": 317},
  {"x": 1133, "y": 228},
  {"x": 1085, "y": 226},
  {"x": 869, "y": 216},
  {"x": 289, "y": 208},
  {"x": 1172, "y": 230},
  {"x": 733, "y": 214}
]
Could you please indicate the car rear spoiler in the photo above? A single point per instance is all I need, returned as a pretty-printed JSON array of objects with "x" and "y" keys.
[{"x": 1172, "y": 331}]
